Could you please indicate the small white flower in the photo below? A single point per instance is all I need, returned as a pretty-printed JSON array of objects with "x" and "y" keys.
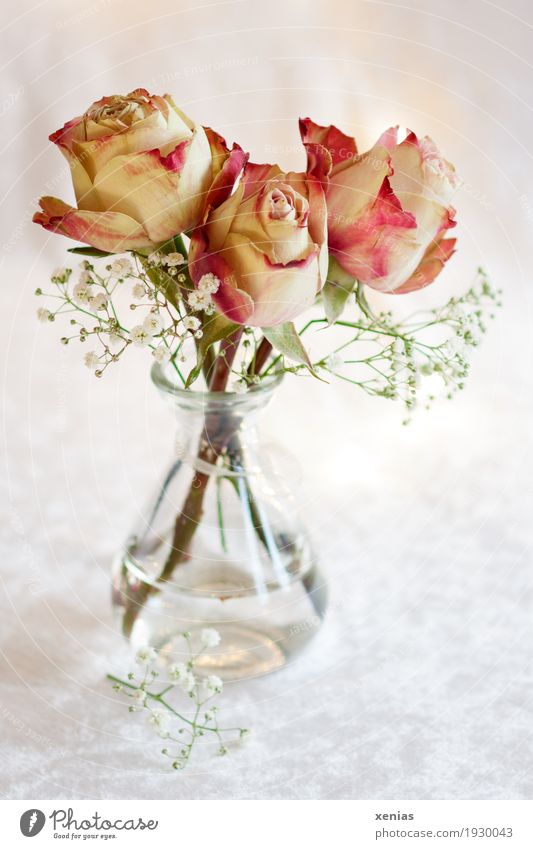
[
  {"x": 159, "y": 718},
  {"x": 99, "y": 301},
  {"x": 179, "y": 673},
  {"x": 154, "y": 258},
  {"x": 240, "y": 387},
  {"x": 209, "y": 283},
  {"x": 60, "y": 275},
  {"x": 85, "y": 276},
  {"x": 455, "y": 345},
  {"x": 191, "y": 322},
  {"x": 121, "y": 267},
  {"x": 138, "y": 291},
  {"x": 188, "y": 683},
  {"x": 173, "y": 259},
  {"x": 199, "y": 300},
  {"x": 140, "y": 336},
  {"x": 43, "y": 315},
  {"x": 334, "y": 362},
  {"x": 91, "y": 359},
  {"x": 147, "y": 654},
  {"x": 114, "y": 340},
  {"x": 210, "y": 637},
  {"x": 139, "y": 696},
  {"x": 153, "y": 324},
  {"x": 161, "y": 355},
  {"x": 214, "y": 683},
  {"x": 82, "y": 292}
]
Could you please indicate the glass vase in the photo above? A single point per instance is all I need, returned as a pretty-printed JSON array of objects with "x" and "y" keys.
[{"x": 221, "y": 544}]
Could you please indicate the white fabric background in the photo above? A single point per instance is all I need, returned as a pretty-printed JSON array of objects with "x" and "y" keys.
[{"x": 420, "y": 683}]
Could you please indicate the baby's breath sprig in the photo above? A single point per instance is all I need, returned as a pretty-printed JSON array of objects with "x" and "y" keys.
[
  {"x": 423, "y": 357},
  {"x": 179, "y": 728},
  {"x": 101, "y": 306},
  {"x": 414, "y": 360}
]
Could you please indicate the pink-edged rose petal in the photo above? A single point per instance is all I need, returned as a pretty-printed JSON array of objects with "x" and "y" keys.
[{"x": 107, "y": 231}]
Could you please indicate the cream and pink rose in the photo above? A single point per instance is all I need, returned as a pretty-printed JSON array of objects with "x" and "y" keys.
[
  {"x": 388, "y": 209},
  {"x": 266, "y": 242},
  {"x": 140, "y": 168}
]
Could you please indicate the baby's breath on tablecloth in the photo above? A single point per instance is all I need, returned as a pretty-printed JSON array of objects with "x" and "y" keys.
[{"x": 181, "y": 708}]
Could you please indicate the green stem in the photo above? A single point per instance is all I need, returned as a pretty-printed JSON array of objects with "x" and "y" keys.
[
  {"x": 157, "y": 697},
  {"x": 220, "y": 516},
  {"x": 261, "y": 355}
]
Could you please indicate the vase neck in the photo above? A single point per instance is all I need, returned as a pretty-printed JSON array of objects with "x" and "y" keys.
[
  {"x": 212, "y": 404},
  {"x": 215, "y": 429}
]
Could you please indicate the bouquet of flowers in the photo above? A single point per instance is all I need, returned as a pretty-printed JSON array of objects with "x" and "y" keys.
[{"x": 207, "y": 260}]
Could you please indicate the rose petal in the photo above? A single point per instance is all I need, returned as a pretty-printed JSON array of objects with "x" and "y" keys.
[
  {"x": 107, "y": 231},
  {"x": 165, "y": 194},
  {"x": 432, "y": 264},
  {"x": 219, "y": 149},
  {"x": 230, "y": 300},
  {"x": 255, "y": 175},
  {"x": 224, "y": 183},
  {"x": 342, "y": 148},
  {"x": 367, "y": 247},
  {"x": 279, "y": 292}
]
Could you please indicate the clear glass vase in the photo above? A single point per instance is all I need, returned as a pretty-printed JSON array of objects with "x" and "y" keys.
[{"x": 221, "y": 544}]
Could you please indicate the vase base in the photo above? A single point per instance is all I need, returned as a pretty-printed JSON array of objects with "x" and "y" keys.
[
  {"x": 258, "y": 635},
  {"x": 243, "y": 653}
]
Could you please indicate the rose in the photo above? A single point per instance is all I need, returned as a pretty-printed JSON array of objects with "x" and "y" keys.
[
  {"x": 266, "y": 243},
  {"x": 388, "y": 208},
  {"x": 140, "y": 170}
]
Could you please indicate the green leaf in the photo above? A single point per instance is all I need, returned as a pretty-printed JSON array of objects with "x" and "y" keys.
[
  {"x": 285, "y": 339},
  {"x": 336, "y": 291},
  {"x": 215, "y": 328},
  {"x": 89, "y": 252},
  {"x": 193, "y": 375}
]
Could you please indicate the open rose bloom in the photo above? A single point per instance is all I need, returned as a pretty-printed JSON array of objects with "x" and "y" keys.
[
  {"x": 388, "y": 209},
  {"x": 140, "y": 170},
  {"x": 144, "y": 173},
  {"x": 267, "y": 244}
]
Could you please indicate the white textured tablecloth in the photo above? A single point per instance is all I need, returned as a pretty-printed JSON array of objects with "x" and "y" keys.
[{"x": 420, "y": 683}]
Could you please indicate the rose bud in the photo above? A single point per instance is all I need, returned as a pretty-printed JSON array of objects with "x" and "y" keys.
[
  {"x": 266, "y": 243},
  {"x": 140, "y": 170},
  {"x": 388, "y": 208}
]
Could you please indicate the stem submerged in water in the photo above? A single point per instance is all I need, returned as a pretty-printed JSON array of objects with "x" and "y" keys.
[{"x": 214, "y": 440}]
